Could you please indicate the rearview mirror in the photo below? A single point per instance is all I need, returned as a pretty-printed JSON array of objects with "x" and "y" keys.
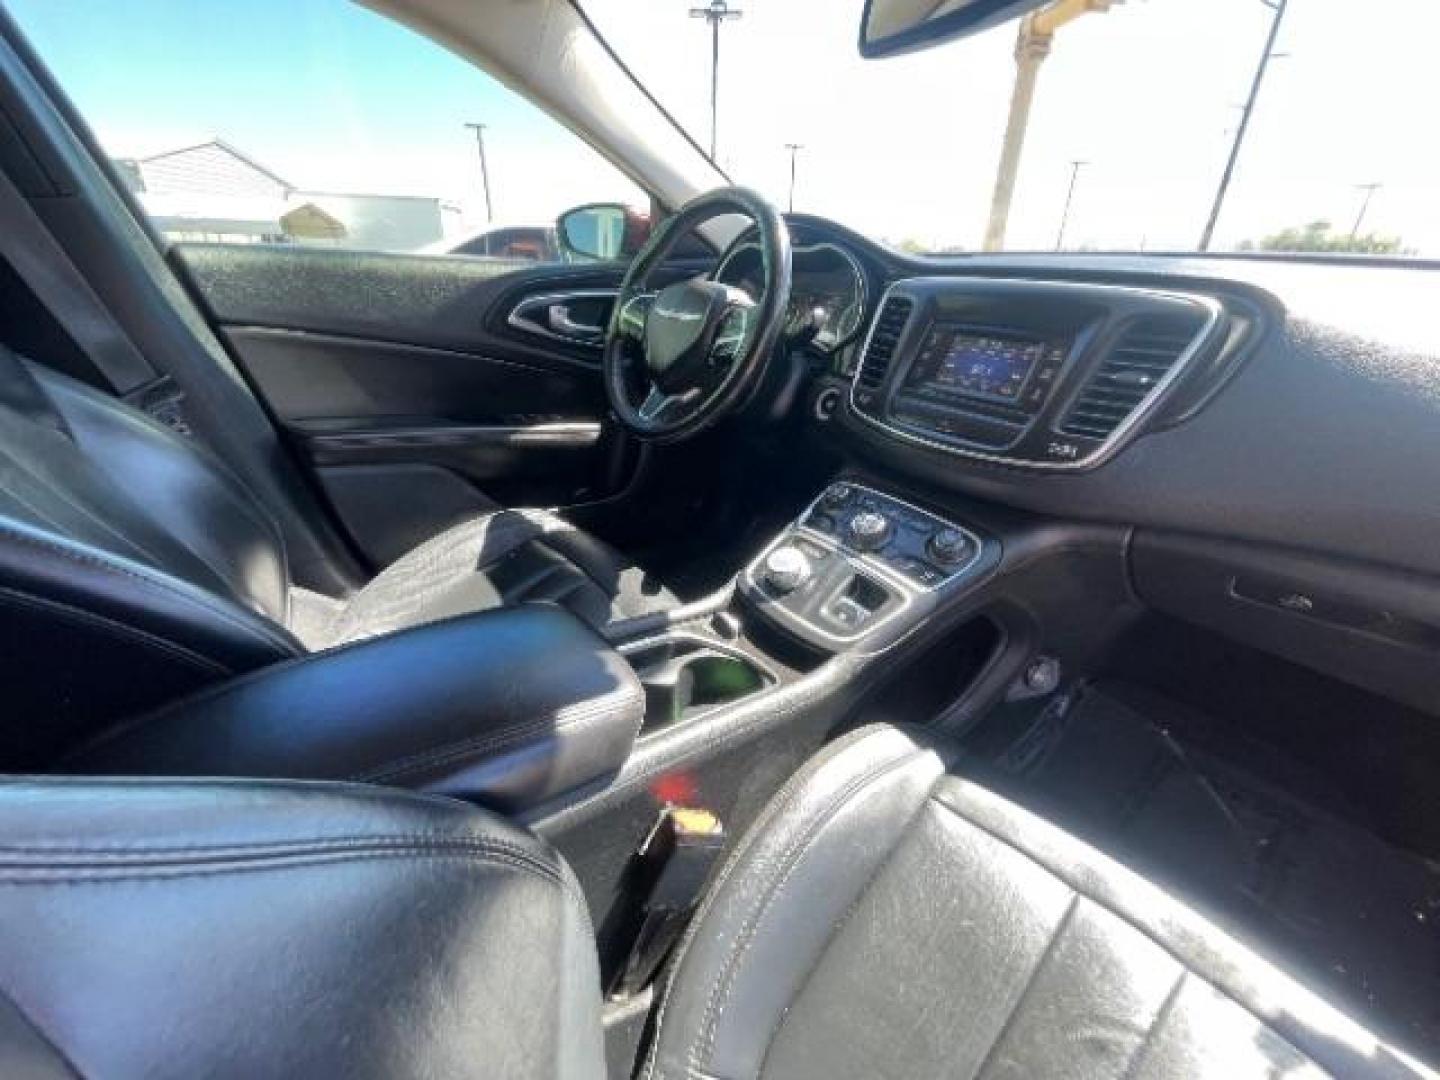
[
  {"x": 889, "y": 27},
  {"x": 602, "y": 231}
]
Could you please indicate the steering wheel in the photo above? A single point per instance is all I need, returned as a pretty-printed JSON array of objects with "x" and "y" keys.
[{"x": 679, "y": 359}]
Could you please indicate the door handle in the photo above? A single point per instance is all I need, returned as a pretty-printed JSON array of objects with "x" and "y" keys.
[
  {"x": 558, "y": 316},
  {"x": 549, "y": 316}
]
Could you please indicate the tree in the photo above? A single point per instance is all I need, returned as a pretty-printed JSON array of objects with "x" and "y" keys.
[{"x": 1319, "y": 236}]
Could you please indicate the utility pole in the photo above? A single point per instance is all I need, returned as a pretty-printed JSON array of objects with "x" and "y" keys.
[
  {"x": 479, "y": 130},
  {"x": 1075, "y": 167},
  {"x": 1278, "y": 7},
  {"x": 716, "y": 12},
  {"x": 794, "y": 148},
  {"x": 1032, "y": 46},
  {"x": 1369, "y": 190}
]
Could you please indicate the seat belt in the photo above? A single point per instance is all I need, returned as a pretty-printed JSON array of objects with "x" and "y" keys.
[{"x": 44, "y": 266}]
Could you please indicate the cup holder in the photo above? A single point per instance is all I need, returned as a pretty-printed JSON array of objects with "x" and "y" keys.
[{"x": 684, "y": 676}]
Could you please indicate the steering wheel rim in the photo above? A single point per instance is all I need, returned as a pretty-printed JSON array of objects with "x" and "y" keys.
[{"x": 682, "y": 343}]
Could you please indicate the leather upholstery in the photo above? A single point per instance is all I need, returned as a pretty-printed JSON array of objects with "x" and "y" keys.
[
  {"x": 136, "y": 568},
  {"x": 885, "y": 918},
  {"x": 285, "y": 930},
  {"x": 508, "y": 709},
  {"x": 882, "y": 918}
]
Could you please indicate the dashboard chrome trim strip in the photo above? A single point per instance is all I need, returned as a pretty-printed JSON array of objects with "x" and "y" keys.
[{"x": 1111, "y": 443}]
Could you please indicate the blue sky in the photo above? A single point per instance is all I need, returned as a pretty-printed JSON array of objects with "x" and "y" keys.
[
  {"x": 325, "y": 93},
  {"x": 332, "y": 96}
]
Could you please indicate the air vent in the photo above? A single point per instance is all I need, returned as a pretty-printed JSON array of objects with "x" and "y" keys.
[
  {"x": 1145, "y": 353},
  {"x": 881, "y": 347}
]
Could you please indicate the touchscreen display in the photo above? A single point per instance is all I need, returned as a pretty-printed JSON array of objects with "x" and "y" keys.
[{"x": 975, "y": 364}]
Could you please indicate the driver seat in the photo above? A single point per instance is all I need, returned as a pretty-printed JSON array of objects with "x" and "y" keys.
[{"x": 135, "y": 567}]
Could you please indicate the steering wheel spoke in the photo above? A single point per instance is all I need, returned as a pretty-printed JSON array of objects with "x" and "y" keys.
[
  {"x": 633, "y": 313},
  {"x": 659, "y": 408},
  {"x": 730, "y": 336}
]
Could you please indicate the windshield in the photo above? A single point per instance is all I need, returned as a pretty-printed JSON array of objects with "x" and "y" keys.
[{"x": 1135, "y": 114}]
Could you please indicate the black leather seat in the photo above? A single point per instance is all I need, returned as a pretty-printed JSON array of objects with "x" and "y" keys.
[
  {"x": 881, "y": 919},
  {"x": 203, "y": 928},
  {"x": 134, "y": 567},
  {"x": 885, "y": 918}
]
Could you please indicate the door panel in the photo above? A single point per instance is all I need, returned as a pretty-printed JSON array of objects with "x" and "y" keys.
[{"x": 422, "y": 390}]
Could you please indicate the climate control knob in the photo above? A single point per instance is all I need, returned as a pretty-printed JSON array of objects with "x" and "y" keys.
[
  {"x": 786, "y": 568},
  {"x": 948, "y": 546},
  {"x": 869, "y": 530}
]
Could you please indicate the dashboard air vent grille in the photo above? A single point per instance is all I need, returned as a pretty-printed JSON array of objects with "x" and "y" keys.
[
  {"x": 1144, "y": 354},
  {"x": 881, "y": 347}
]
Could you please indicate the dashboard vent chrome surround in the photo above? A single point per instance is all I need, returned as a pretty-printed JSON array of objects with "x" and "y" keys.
[
  {"x": 1140, "y": 360},
  {"x": 880, "y": 348}
]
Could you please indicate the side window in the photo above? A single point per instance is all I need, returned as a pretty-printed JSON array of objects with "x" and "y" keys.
[{"x": 316, "y": 123}]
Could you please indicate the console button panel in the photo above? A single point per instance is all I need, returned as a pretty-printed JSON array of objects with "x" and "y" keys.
[
  {"x": 854, "y": 559},
  {"x": 925, "y": 549}
]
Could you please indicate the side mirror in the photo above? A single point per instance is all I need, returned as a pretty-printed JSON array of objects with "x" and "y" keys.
[
  {"x": 890, "y": 27},
  {"x": 602, "y": 231}
]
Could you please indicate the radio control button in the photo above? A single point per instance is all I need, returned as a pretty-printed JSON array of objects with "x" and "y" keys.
[
  {"x": 948, "y": 546},
  {"x": 870, "y": 530}
]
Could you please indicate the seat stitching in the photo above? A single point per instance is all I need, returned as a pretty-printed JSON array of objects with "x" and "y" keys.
[
  {"x": 577, "y": 717},
  {"x": 319, "y": 854},
  {"x": 1149, "y": 935},
  {"x": 1030, "y": 981},
  {"x": 1160, "y": 1018},
  {"x": 157, "y": 582},
  {"x": 120, "y": 851},
  {"x": 838, "y": 929},
  {"x": 114, "y": 628},
  {"x": 81, "y": 510},
  {"x": 781, "y": 801},
  {"x": 703, "y": 1048}
]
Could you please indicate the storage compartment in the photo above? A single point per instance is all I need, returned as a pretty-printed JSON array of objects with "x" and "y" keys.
[
  {"x": 685, "y": 675},
  {"x": 1371, "y": 626}
]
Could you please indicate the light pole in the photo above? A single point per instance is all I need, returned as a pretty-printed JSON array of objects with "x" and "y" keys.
[
  {"x": 1075, "y": 167},
  {"x": 1278, "y": 7},
  {"x": 1032, "y": 46},
  {"x": 1369, "y": 190},
  {"x": 794, "y": 148},
  {"x": 479, "y": 130},
  {"x": 716, "y": 12}
]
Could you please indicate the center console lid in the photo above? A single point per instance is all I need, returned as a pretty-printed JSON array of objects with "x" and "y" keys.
[{"x": 510, "y": 709}]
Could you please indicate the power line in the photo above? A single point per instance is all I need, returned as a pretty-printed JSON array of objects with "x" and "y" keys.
[
  {"x": 479, "y": 130},
  {"x": 1075, "y": 167},
  {"x": 1278, "y": 7},
  {"x": 794, "y": 148},
  {"x": 715, "y": 13}
]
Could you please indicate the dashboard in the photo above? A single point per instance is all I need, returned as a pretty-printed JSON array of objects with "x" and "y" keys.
[
  {"x": 1298, "y": 405},
  {"x": 1262, "y": 430}
]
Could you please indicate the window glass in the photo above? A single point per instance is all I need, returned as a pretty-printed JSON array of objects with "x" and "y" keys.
[
  {"x": 316, "y": 123},
  {"x": 1136, "y": 110}
]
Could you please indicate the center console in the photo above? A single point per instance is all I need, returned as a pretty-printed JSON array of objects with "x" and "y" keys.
[{"x": 858, "y": 566}]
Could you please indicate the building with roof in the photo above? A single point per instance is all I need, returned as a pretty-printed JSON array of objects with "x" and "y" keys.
[{"x": 214, "y": 191}]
